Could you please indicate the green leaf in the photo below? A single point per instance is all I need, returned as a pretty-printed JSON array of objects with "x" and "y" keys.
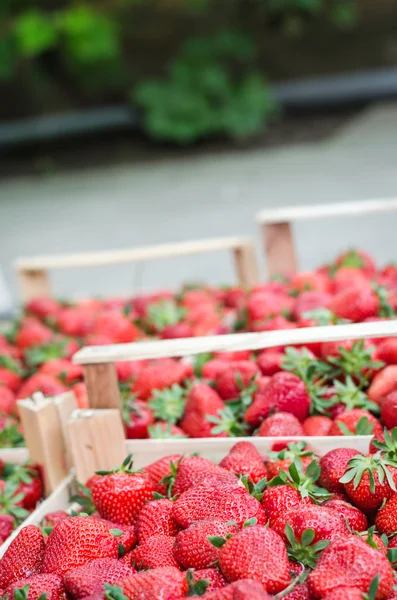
[
  {"x": 308, "y": 537},
  {"x": 116, "y": 532},
  {"x": 34, "y": 32},
  {"x": 216, "y": 541}
]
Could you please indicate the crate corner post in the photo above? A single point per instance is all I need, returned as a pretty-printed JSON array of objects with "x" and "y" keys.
[
  {"x": 33, "y": 283},
  {"x": 102, "y": 385},
  {"x": 279, "y": 246},
  {"x": 246, "y": 264}
]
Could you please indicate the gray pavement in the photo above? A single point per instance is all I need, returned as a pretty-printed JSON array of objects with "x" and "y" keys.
[{"x": 215, "y": 195}]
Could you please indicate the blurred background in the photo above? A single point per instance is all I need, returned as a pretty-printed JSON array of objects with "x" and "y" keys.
[{"x": 135, "y": 122}]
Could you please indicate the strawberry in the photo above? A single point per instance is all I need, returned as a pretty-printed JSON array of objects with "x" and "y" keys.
[
  {"x": 137, "y": 417},
  {"x": 53, "y": 518},
  {"x": 63, "y": 369},
  {"x": 10, "y": 373},
  {"x": 318, "y": 425},
  {"x": 157, "y": 584},
  {"x": 33, "y": 333},
  {"x": 285, "y": 393},
  {"x": 156, "y": 551},
  {"x": 118, "y": 327},
  {"x": 6, "y": 526},
  {"x": 355, "y": 303},
  {"x": 389, "y": 410},
  {"x": 333, "y": 466},
  {"x": 194, "y": 470},
  {"x": 213, "y": 368},
  {"x": 259, "y": 553},
  {"x": 386, "y": 351},
  {"x": 126, "y": 534},
  {"x": 355, "y": 422},
  {"x": 350, "y": 562},
  {"x": 369, "y": 480},
  {"x": 309, "y": 302},
  {"x": 204, "y": 502},
  {"x": 159, "y": 375},
  {"x": 264, "y": 304},
  {"x": 42, "y": 307},
  {"x": 77, "y": 541},
  {"x": 202, "y": 401},
  {"x": 7, "y": 401},
  {"x": 236, "y": 379},
  {"x": 29, "y": 484},
  {"x": 156, "y": 518},
  {"x": 168, "y": 404},
  {"x": 213, "y": 576},
  {"x": 347, "y": 593},
  {"x": 278, "y": 500},
  {"x": 386, "y": 519},
  {"x": 250, "y": 589},
  {"x": 356, "y": 519},
  {"x": 120, "y": 494},
  {"x": 159, "y": 470},
  {"x": 76, "y": 322},
  {"x": 269, "y": 362},
  {"x": 326, "y": 524},
  {"x": 279, "y": 425},
  {"x": 244, "y": 459},
  {"x": 382, "y": 384},
  {"x": 36, "y": 586},
  {"x": 41, "y": 382},
  {"x": 356, "y": 259},
  {"x": 23, "y": 557},
  {"x": 90, "y": 578},
  {"x": 282, "y": 460},
  {"x": 193, "y": 548},
  {"x": 299, "y": 592},
  {"x": 163, "y": 431}
]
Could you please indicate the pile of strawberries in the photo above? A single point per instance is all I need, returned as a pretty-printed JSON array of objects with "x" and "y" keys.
[
  {"x": 290, "y": 526},
  {"x": 20, "y": 490},
  {"x": 324, "y": 389}
]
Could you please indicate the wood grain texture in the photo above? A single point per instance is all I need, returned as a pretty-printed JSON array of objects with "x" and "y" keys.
[
  {"x": 97, "y": 441},
  {"x": 102, "y": 386},
  {"x": 279, "y": 249},
  {"x": 233, "y": 342}
]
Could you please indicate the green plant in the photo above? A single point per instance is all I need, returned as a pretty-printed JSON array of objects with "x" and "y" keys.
[{"x": 211, "y": 89}]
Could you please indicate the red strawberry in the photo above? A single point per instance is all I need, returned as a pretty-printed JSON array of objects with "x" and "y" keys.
[
  {"x": 355, "y": 303},
  {"x": 299, "y": 592},
  {"x": 269, "y": 362},
  {"x": 382, "y": 384},
  {"x": 327, "y": 524},
  {"x": 91, "y": 577},
  {"x": 250, "y": 589},
  {"x": 213, "y": 576},
  {"x": 204, "y": 502},
  {"x": 276, "y": 502},
  {"x": 7, "y": 401},
  {"x": 160, "y": 470},
  {"x": 214, "y": 367},
  {"x": 41, "y": 382},
  {"x": 10, "y": 378},
  {"x": 163, "y": 430},
  {"x": 119, "y": 495},
  {"x": 356, "y": 519},
  {"x": 386, "y": 351},
  {"x": 76, "y": 322},
  {"x": 201, "y": 401},
  {"x": 285, "y": 393},
  {"x": 156, "y": 551},
  {"x": 117, "y": 327},
  {"x": 310, "y": 301},
  {"x": 357, "y": 259},
  {"x": 29, "y": 484},
  {"x": 279, "y": 425},
  {"x": 137, "y": 419},
  {"x": 156, "y": 518},
  {"x": 193, "y": 470},
  {"x": 259, "y": 553},
  {"x": 33, "y": 333},
  {"x": 345, "y": 593},
  {"x": 236, "y": 378},
  {"x": 6, "y": 526},
  {"x": 50, "y": 585},
  {"x": 159, "y": 375},
  {"x": 24, "y": 556},
  {"x": 318, "y": 425},
  {"x": 63, "y": 369},
  {"x": 77, "y": 541},
  {"x": 333, "y": 466},
  {"x": 389, "y": 410},
  {"x": 357, "y": 422},
  {"x": 156, "y": 584},
  {"x": 53, "y": 518},
  {"x": 193, "y": 548},
  {"x": 244, "y": 459},
  {"x": 264, "y": 304},
  {"x": 282, "y": 460},
  {"x": 350, "y": 562},
  {"x": 386, "y": 519},
  {"x": 369, "y": 480},
  {"x": 128, "y": 538},
  {"x": 42, "y": 307}
]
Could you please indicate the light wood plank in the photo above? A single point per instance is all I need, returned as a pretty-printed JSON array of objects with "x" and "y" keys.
[
  {"x": 102, "y": 386},
  {"x": 246, "y": 265},
  {"x": 34, "y": 283},
  {"x": 233, "y": 342}
]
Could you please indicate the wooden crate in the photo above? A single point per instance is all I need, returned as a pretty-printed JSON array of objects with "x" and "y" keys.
[
  {"x": 33, "y": 273},
  {"x": 276, "y": 227}
]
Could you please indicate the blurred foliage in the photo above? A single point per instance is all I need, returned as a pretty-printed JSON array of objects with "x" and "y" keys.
[
  {"x": 213, "y": 84},
  {"x": 210, "y": 89}
]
